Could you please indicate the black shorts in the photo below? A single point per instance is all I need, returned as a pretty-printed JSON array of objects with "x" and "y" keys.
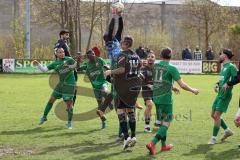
[
  {"x": 122, "y": 105},
  {"x": 147, "y": 93}
]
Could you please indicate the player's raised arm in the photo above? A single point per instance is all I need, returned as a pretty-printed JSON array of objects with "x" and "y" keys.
[
  {"x": 118, "y": 35},
  {"x": 108, "y": 36}
]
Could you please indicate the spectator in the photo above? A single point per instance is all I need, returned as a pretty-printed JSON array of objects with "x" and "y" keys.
[
  {"x": 147, "y": 51},
  {"x": 141, "y": 53},
  {"x": 209, "y": 53},
  {"x": 197, "y": 54},
  {"x": 186, "y": 54}
]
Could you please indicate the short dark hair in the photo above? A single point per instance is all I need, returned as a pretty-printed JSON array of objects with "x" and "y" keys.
[
  {"x": 166, "y": 53},
  {"x": 228, "y": 53},
  {"x": 62, "y": 32},
  {"x": 128, "y": 40}
]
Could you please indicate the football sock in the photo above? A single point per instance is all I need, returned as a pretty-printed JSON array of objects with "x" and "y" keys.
[
  {"x": 47, "y": 109},
  {"x": 123, "y": 124},
  {"x": 99, "y": 102},
  {"x": 163, "y": 141},
  {"x": 107, "y": 102},
  {"x": 215, "y": 131},
  {"x": 119, "y": 130},
  {"x": 132, "y": 123},
  {"x": 223, "y": 124},
  {"x": 74, "y": 97},
  {"x": 70, "y": 114},
  {"x": 161, "y": 134}
]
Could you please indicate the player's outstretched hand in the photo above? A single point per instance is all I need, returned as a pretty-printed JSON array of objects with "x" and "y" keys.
[
  {"x": 108, "y": 73},
  {"x": 35, "y": 62},
  {"x": 195, "y": 91},
  {"x": 224, "y": 87}
]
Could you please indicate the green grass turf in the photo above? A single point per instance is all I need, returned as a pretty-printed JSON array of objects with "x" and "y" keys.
[{"x": 23, "y": 98}]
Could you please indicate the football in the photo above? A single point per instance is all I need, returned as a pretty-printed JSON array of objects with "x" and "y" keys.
[{"x": 118, "y": 6}]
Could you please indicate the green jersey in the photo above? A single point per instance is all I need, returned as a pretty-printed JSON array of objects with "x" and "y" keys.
[
  {"x": 95, "y": 72},
  {"x": 164, "y": 74},
  {"x": 228, "y": 71},
  {"x": 66, "y": 74}
]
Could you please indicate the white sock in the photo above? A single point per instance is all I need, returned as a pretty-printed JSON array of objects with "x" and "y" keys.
[
  {"x": 213, "y": 137},
  {"x": 147, "y": 126}
]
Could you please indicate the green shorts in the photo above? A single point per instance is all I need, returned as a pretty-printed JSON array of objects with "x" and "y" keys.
[
  {"x": 165, "y": 112},
  {"x": 221, "y": 104},
  {"x": 64, "y": 91},
  {"x": 100, "y": 92}
]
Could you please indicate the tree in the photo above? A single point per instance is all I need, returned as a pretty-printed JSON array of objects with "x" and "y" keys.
[
  {"x": 73, "y": 15},
  {"x": 206, "y": 18},
  {"x": 234, "y": 40}
]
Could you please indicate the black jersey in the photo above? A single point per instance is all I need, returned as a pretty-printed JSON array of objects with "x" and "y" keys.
[
  {"x": 128, "y": 84},
  {"x": 147, "y": 74},
  {"x": 147, "y": 83}
]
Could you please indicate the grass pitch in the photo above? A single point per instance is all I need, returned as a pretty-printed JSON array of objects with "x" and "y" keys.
[{"x": 23, "y": 98}]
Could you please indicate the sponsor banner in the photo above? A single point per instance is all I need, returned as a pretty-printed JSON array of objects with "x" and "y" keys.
[
  {"x": 26, "y": 65},
  {"x": 188, "y": 66},
  {"x": 194, "y": 67},
  {"x": 211, "y": 67},
  {"x": 1, "y": 70},
  {"x": 8, "y": 65}
]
